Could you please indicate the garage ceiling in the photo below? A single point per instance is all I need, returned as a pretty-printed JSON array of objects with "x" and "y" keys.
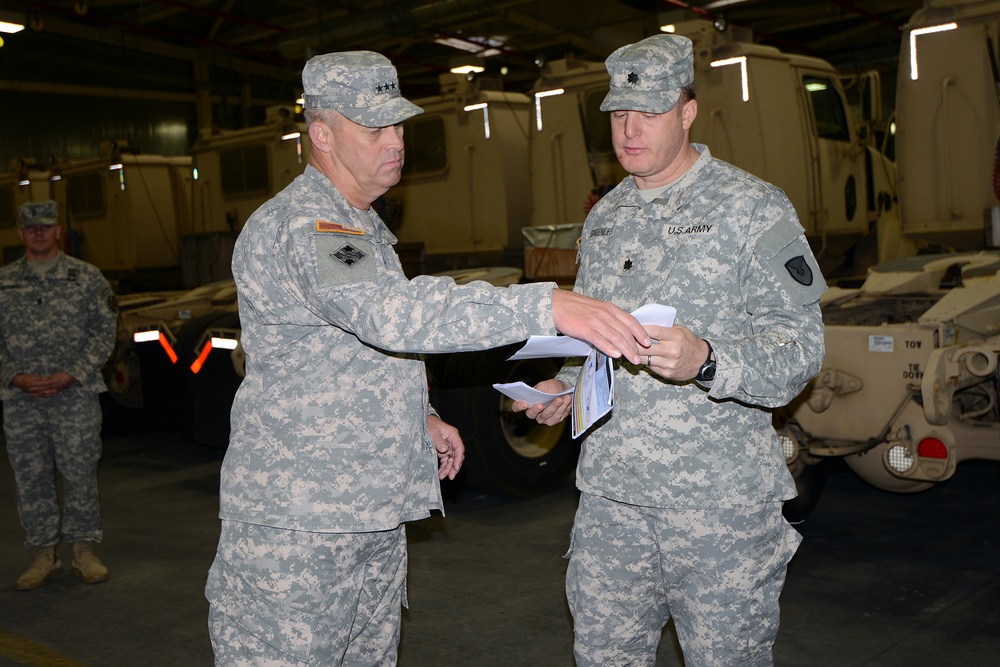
[{"x": 254, "y": 50}]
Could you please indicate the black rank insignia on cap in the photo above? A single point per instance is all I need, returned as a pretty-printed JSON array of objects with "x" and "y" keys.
[
  {"x": 348, "y": 255},
  {"x": 633, "y": 78},
  {"x": 799, "y": 270}
]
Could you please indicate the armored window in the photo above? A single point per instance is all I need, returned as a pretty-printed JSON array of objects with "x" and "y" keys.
[
  {"x": 7, "y": 214},
  {"x": 596, "y": 122},
  {"x": 85, "y": 194},
  {"x": 245, "y": 170},
  {"x": 828, "y": 109},
  {"x": 424, "y": 143}
]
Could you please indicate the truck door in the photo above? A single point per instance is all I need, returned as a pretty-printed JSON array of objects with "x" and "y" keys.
[{"x": 837, "y": 159}]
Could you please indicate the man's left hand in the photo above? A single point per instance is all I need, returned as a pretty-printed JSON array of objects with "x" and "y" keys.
[
  {"x": 449, "y": 447},
  {"x": 677, "y": 353}
]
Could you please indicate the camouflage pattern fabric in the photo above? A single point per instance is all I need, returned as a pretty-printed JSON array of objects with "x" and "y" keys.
[
  {"x": 361, "y": 85},
  {"x": 295, "y": 598},
  {"x": 329, "y": 427},
  {"x": 726, "y": 250},
  {"x": 715, "y": 245},
  {"x": 63, "y": 320},
  {"x": 717, "y": 572},
  {"x": 648, "y": 75}
]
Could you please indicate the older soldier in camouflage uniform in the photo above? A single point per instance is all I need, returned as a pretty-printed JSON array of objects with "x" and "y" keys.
[
  {"x": 333, "y": 442},
  {"x": 680, "y": 512},
  {"x": 57, "y": 328}
]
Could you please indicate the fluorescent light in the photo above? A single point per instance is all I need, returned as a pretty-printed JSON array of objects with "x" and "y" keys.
[
  {"x": 483, "y": 46},
  {"x": 722, "y": 3},
  {"x": 742, "y": 62},
  {"x": 538, "y": 104},
  {"x": 670, "y": 27},
  {"x": 10, "y": 28},
  {"x": 913, "y": 42},
  {"x": 291, "y": 135},
  {"x": 465, "y": 69},
  {"x": 473, "y": 107}
]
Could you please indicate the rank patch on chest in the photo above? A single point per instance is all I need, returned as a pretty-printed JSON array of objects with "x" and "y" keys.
[
  {"x": 338, "y": 228},
  {"x": 799, "y": 270},
  {"x": 627, "y": 265},
  {"x": 348, "y": 255}
]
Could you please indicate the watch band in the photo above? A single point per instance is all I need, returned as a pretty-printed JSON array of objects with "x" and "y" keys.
[{"x": 707, "y": 371}]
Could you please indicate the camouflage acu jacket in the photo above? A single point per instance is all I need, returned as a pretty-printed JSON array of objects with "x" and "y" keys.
[
  {"x": 62, "y": 321},
  {"x": 329, "y": 426},
  {"x": 727, "y": 251}
]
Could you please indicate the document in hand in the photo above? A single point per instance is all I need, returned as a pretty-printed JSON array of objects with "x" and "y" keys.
[
  {"x": 594, "y": 393},
  {"x": 539, "y": 347}
]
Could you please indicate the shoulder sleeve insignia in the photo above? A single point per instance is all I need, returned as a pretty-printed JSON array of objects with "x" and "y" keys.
[
  {"x": 338, "y": 228},
  {"x": 799, "y": 270}
]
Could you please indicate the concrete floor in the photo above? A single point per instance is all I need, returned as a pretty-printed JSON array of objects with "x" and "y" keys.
[{"x": 881, "y": 580}]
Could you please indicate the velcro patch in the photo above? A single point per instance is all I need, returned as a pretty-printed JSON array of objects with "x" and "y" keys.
[
  {"x": 338, "y": 228},
  {"x": 798, "y": 269}
]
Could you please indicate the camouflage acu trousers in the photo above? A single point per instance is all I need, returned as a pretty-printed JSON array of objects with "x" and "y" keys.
[
  {"x": 717, "y": 572},
  {"x": 45, "y": 435},
  {"x": 283, "y": 597}
]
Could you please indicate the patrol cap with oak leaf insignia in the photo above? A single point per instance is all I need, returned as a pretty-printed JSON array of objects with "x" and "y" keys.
[
  {"x": 648, "y": 75},
  {"x": 362, "y": 85}
]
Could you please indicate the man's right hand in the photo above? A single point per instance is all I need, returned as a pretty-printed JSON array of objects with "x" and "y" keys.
[
  {"x": 600, "y": 323},
  {"x": 556, "y": 410},
  {"x": 37, "y": 386}
]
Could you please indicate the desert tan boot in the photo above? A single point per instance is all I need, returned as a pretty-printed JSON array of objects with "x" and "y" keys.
[
  {"x": 45, "y": 566},
  {"x": 87, "y": 565}
]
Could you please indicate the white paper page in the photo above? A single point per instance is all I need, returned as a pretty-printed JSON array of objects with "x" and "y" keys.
[
  {"x": 538, "y": 347},
  {"x": 522, "y": 392}
]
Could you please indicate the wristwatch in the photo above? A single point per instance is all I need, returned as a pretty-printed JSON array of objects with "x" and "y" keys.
[{"x": 707, "y": 371}]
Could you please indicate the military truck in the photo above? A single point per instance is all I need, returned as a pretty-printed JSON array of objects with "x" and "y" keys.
[{"x": 910, "y": 384}]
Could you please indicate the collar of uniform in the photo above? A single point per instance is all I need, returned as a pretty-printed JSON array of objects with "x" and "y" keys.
[
  {"x": 58, "y": 269},
  {"x": 676, "y": 192},
  {"x": 375, "y": 229}
]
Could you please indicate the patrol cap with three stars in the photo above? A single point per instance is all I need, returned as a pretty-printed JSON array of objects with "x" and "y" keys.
[
  {"x": 362, "y": 85},
  {"x": 648, "y": 75},
  {"x": 38, "y": 213}
]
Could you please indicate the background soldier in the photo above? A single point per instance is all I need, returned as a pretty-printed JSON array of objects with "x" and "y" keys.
[{"x": 57, "y": 328}]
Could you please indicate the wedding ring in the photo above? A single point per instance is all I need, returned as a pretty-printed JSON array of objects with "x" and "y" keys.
[{"x": 649, "y": 360}]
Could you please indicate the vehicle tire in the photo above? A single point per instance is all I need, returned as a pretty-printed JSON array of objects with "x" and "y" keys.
[
  {"x": 505, "y": 452},
  {"x": 809, "y": 482}
]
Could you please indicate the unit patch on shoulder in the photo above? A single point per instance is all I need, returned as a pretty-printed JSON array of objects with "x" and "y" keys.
[
  {"x": 338, "y": 228},
  {"x": 799, "y": 270},
  {"x": 348, "y": 255}
]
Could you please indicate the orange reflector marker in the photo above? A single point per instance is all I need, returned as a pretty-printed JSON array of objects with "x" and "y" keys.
[
  {"x": 200, "y": 361},
  {"x": 932, "y": 448},
  {"x": 168, "y": 349}
]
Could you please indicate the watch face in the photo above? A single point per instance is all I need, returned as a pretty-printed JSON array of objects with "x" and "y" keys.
[{"x": 707, "y": 371}]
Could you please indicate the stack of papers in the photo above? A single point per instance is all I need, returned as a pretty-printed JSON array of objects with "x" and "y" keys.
[{"x": 594, "y": 393}]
